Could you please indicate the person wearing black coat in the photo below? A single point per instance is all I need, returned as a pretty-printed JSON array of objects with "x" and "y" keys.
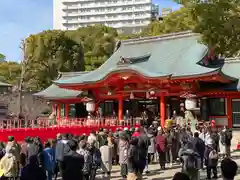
[
  {"x": 133, "y": 159},
  {"x": 72, "y": 163},
  {"x": 35, "y": 149},
  {"x": 199, "y": 146},
  {"x": 32, "y": 171},
  {"x": 143, "y": 143},
  {"x": 215, "y": 137},
  {"x": 62, "y": 148},
  {"x": 211, "y": 161}
]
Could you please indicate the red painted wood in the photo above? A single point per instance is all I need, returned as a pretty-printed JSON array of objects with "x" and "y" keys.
[
  {"x": 58, "y": 111},
  {"x": 162, "y": 109},
  {"x": 47, "y": 133},
  {"x": 120, "y": 108},
  {"x": 229, "y": 111}
]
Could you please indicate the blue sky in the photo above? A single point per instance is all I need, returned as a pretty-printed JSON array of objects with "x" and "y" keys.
[{"x": 20, "y": 18}]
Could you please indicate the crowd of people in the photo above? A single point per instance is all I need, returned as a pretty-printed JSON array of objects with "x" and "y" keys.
[{"x": 81, "y": 157}]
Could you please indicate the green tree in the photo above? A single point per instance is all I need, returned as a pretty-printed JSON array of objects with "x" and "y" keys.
[
  {"x": 10, "y": 72},
  {"x": 174, "y": 22},
  {"x": 47, "y": 53},
  {"x": 219, "y": 23},
  {"x": 98, "y": 42},
  {"x": 2, "y": 57}
]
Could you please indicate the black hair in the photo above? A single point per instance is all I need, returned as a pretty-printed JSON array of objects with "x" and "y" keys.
[
  {"x": 196, "y": 134},
  {"x": 47, "y": 144},
  {"x": 181, "y": 176},
  {"x": 73, "y": 145},
  {"x": 229, "y": 168},
  {"x": 64, "y": 136}
]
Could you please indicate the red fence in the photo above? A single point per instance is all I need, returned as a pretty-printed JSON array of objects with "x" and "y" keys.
[{"x": 46, "y": 129}]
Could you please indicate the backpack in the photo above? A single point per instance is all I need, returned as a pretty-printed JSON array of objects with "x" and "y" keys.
[
  {"x": 213, "y": 155},
  {"x": 190, "y": 162}
]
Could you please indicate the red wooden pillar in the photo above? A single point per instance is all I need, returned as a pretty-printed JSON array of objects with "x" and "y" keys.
[
  {"x": 120, "y": 108},
  {"x": 66, "y": 110},
  {"x": 162, "y": 109},
  {"x": 58, "y": 111},
  {"x": 229, "y": 111},
  {"x": 53, "y": 108}
]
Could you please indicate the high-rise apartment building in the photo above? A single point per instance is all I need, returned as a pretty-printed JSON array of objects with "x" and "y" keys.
[{"x": 119, "y": 14}]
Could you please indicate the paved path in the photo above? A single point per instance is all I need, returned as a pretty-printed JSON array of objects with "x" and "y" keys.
[{"x": 156, "y": 174}]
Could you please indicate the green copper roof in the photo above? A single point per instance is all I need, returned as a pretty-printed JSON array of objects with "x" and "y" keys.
[
  {"x": 175, "y": 55},
  {"x": 54, "y": 92}
]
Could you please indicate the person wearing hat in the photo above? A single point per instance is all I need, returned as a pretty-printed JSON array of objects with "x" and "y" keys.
[
  {"x": 136, "y": 133},
  {"x": 11, "y": 144}
]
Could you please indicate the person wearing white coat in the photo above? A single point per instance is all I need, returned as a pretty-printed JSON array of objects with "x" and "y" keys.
[{"x": 106, "y": 155}]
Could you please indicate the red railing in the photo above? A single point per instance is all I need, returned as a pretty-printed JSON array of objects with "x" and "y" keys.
[
  {"x": 10, "y": 124},
  {"x": 46, "y": 129}
]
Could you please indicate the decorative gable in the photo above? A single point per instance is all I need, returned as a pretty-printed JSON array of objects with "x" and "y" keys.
[{"x": 133, "y": 60}]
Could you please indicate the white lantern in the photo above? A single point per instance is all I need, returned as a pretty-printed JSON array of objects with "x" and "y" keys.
[
  {"x": 90, "y": 106},
  {"x": 190, "y": 104}
]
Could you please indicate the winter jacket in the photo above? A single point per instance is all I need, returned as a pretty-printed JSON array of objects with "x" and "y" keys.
[
  {"x": 62, "y": 149},
  {"x": 32, "y": 171},
  {"x": 35, "y": 150},
  {"x": 106, "y": 155},
  {"x": 133, "y": 156},
  {"x": 48, "y": 159},
  {"x": 72, "y": 165},
  {"x": 123, "y": 151},
  {"x": 152, "y": 146},
  {"x": 143, "y": 144},
  {"x": 15, "y": 148},
  {"x": 136, "y": 134},
  {"x": 92, "y": 138},
  {"x": 208, "y": 161},
  {"x": 161, "y": 143},
  {"x": 87, "y": 160},
  {"x": 169, "y": 139},
  {"x": 102, "y": 137},
  {"x": 199, "y": 146},
  {"x": 228, "y": 137},
  {"x": 184, "y": 155},
  {"x": 9, "y": 163}
]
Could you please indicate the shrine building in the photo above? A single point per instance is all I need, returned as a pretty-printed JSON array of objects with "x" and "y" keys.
[{"x": 169, "y": 73}]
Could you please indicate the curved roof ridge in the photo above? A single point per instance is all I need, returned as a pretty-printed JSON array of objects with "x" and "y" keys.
[
  {"x": 66, "y": 75},
  {"x": 161, "y": 37}
]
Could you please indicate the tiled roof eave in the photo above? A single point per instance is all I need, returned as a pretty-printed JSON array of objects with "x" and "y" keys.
[
  {"x": 57, "y": 97},
  {"x": 198, "y": 75},
  {"x": 127, "y": 69}
]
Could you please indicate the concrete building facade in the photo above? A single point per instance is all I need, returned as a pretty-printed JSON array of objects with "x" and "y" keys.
[{"x": 119, "y": 14}]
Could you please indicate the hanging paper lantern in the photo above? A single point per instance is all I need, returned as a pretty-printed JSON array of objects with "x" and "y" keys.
[
  {"x": 152, "y": 92},
  {"x": 190, "y": 103},
  {"x": 131, "y": 96},
  {"x": 90, "y": 106}
]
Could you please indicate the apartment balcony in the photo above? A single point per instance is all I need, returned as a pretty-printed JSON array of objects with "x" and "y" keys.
[
  {"x": 102, "y": 5},
  {"x": 106, "y": 19},
  {"x": 117, "y": 11}
]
